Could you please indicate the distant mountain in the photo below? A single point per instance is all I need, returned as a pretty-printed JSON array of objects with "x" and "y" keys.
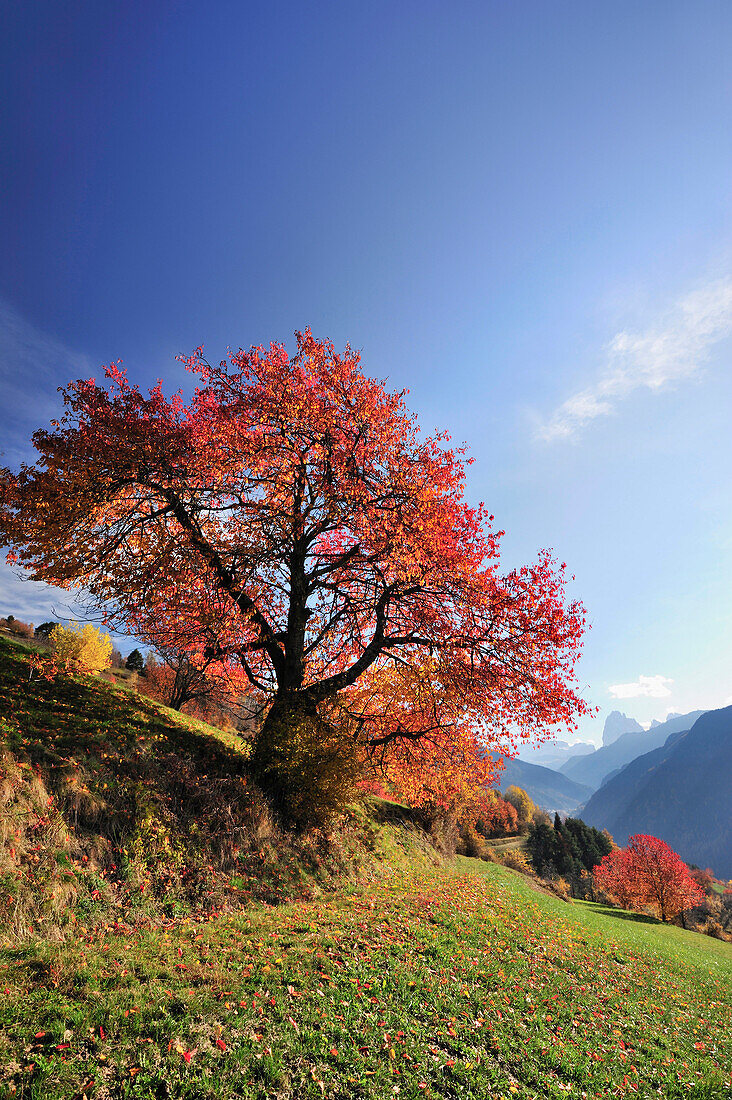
[
  {"x": 616, "y": 724},
  {"x": 594, "y": 769},
  {"x": 555, "y": 753},
  {"x": 680, "y": 792},
  {"x": 549, "y": 789}
]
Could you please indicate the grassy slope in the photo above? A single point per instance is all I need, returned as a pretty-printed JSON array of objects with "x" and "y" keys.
[
  {"x": 461, "y": 981},
  {"x": 113, "y": 807}
]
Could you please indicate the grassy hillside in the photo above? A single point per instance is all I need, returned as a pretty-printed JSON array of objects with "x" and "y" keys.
[
  {"x": 114, "y": 807},
  {"x": 463, "y": 982},
  {"x": 139, "y": 957}
]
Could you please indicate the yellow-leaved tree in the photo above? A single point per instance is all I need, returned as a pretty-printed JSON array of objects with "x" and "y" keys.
[
  {"x": 523, "y": 805},
  {"x": 81, "y": 648}
]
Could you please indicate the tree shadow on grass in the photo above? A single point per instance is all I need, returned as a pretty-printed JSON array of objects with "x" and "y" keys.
[{"x": 625, "y": 914}]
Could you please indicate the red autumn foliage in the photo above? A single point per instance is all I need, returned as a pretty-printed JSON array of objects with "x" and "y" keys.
[
  {"x": 499, "y": 818},
  {"x": 291, "y": 528},
  {"x": 703, "y": 877},
  {"x": 178, "y": 684},
  {"x": 648, "y": 874}
]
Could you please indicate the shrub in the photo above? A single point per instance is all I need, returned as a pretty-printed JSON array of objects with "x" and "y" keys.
[
  {"x": 517, "y": 861},
  {"x": 471, "y": 842},
  {"x": 310, "y": 769},
  {"x": 16, "y": 627},
  {"x": 81, "y": 648},
  {"x": 560, "y": 887},
  {"x": 498, "y": 819},
  {"x": 713, "y": 928}
]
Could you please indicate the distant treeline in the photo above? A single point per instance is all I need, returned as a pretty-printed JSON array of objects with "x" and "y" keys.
[{"x": 567, "y": 849}]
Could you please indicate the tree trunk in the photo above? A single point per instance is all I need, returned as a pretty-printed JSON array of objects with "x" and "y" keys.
[
  {"x": 274, "y": 763},
  {"x": 304, "y": 765}
]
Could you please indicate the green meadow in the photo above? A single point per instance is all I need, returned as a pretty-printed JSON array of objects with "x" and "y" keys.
[
  {"x": 463, "y": 981},
  {"x": 378, "y": 972}
]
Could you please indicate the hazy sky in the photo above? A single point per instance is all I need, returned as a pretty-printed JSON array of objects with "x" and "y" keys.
[{"x": 519, "y": 211}]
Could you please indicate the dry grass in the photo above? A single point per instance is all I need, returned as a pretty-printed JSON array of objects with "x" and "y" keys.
[{"x": 113, "y": 807}]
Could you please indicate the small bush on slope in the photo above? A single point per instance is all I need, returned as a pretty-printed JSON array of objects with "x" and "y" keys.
[{"x": 80, "y": 648}]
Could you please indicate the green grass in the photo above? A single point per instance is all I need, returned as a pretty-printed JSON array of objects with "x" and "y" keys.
[
  {"x": 501, "y": 845},
  {"x": 636, "y": 931},
  {"x": 463, "y": 982}
]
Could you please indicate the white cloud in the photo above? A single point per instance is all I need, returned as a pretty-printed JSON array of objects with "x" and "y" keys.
[
  {"x": 673, "y": 350},
  {"x": 653, "y": 686},
  {"x": 34, "y": 601}
]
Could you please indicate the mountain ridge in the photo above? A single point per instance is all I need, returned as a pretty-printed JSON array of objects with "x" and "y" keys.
[
  {"x": 595, "y": 769},
  {"x": 681, "y": 792},
  {"x": 548, "y": 789}
]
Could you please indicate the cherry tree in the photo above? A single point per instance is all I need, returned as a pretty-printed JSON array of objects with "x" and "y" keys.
[{"x": 291, "y": 529}]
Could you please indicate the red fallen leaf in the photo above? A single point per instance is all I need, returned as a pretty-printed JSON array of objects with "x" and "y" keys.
[
  {"x": 334, "y": 1052},
  {"x": 187, "y": 1056},
  {"x": 221, "y": 1044},
  {"x": 63, "y": 1046},
  {"x": 102, "y": 1033},
  {"x": 450, "y": 1063},
  {"x": 40, "y": 1035}
]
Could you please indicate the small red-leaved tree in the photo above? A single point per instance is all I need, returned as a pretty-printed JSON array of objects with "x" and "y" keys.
[
  {"x": 291, "y": 527},
  {"x": 648, "y": 873},
  {"x": 499, "y": 818},
  {"x": 614, "y": 876}
]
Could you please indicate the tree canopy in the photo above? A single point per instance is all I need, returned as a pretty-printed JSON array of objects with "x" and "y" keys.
[
  {"x": 291, "y": 528},
  {"x": 648, "y": 873}
]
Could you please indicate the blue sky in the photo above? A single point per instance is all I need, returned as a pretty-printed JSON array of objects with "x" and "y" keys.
[{"x": 521, "y": 212}]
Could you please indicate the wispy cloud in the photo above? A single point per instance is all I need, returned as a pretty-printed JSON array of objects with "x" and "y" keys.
[
  {"x": 32, "y": 366},
  {"x": 656, "y": 687},
  {"x": 33, "y": 601},
  {"x": 674, "y": 349}
]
